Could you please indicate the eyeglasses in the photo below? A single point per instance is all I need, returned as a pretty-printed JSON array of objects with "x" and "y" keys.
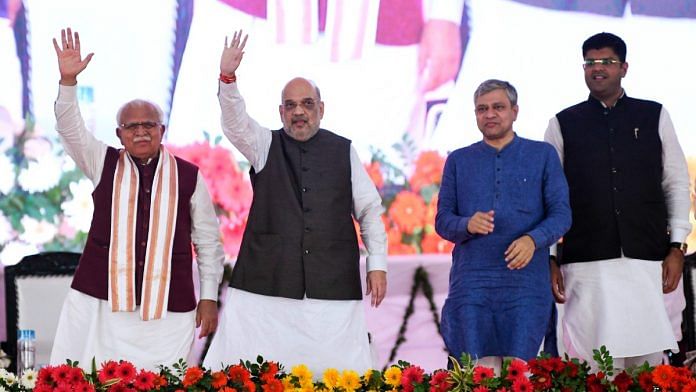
[
  {"x": 132, "y": 126},
  {"x": 592, "y": 62},
  {"x": 307, "y": 104}
]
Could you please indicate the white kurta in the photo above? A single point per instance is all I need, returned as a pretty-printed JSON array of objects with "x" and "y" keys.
[
  {"x": 619, "y": 303},
  {"x": 87, "y": 328},
  {"x": 318, "y": 333}
]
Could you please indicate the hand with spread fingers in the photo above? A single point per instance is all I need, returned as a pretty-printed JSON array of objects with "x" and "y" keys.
[
  {"x": 70, "y": 61},
  {"x": 232, "y": 54}
]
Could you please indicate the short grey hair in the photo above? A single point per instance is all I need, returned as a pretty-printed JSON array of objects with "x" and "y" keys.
[
  {"x": 495, "y": 84},
  {"x": 140, "y": 103}
]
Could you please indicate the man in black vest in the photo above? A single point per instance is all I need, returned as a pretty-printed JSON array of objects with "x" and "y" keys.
[
  {"x": 629, "y": 193},
  {"x": 295, "y": 294}
]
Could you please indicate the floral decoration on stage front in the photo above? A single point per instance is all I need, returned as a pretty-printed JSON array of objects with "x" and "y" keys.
[
  {"x": 45, "y": 201},
  {"x": 541, "y": 374}
]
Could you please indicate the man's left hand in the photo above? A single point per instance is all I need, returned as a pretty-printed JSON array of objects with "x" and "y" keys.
[
  {"x": 520, "y": 252},
  {"x": 377, "y": 286},
  {"x": 672, "y": 268},
  {"x": 206, "y": 317}
]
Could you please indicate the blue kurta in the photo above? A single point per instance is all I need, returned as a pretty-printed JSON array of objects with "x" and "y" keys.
[{"x": 491, "y": 310}]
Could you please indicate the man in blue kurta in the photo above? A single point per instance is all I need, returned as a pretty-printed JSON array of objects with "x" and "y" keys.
[{"x": 503, "y": 202}]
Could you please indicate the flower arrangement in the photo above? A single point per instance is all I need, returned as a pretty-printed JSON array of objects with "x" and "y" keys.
[
  {"x": 45, "y": 201},
  {"x": 229, "y": 187},
  {"x": 541, "y": 374},
  {"x": 410, "y": 201}
]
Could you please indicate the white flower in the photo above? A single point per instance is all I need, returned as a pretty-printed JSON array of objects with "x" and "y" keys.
[
  {"x": 8, "y": 377},
  {"x": 78, "y": 211},
  {"x": 40, "y": 175},
  {"x": 29, "y": 379},
  {"x": 7, "y": 177},
  {"x": 37, "y": 232},
  {"x": 6, "y": 232},
  {"x": 13, "y": 252}
]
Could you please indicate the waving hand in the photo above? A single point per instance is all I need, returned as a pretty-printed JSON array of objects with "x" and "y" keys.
[
  {"x": 232, "y": 54},
  {"x": 70, "y": 61}
]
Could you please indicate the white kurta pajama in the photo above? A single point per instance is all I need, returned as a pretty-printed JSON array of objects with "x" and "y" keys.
[
  {"x": 87, "y": 327},
  {"x": 618, "y": 302},
  {"x": 318, "y": 333}
]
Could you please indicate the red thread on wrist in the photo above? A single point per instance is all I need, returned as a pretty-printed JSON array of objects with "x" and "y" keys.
[{"x": 228, "y": 79}]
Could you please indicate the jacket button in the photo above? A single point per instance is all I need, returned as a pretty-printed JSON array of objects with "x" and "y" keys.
[
  {"x": 306, "y": 251},
  {"x": 307, "y": 230}
]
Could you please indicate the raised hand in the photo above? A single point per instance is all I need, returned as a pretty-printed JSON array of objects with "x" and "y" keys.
[
  {"x": 70, "y": 61},
  {"x": 232, "y": 54}
]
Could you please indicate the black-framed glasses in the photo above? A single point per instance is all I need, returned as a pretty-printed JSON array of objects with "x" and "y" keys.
[
  {"x": 592, "y": 62},
  {"x": 146, "y": 125},
  {"x": 307, "y": 104}
]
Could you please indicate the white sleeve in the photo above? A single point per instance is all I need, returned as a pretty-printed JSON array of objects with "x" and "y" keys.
[
  {"x": 675, "y": 180},
  {"x": 250, "y": 138},
  {"x": 367, "y": 209},
  {"x": 79, "y": 143},
  {"x": 449, "y": 10},
  {"x": 205, "y": 235},
  {"x": 554, "y": 137}
]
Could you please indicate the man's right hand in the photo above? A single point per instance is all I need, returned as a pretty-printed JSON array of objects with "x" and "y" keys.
[
  {"x": 232, "y": 54},
  {"x": 481, "y": 223},
  {"x": 70, "y": 61},
  {"x": 557, "y": 286}
]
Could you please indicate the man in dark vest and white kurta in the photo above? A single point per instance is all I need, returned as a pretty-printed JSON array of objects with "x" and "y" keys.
[
  {"x": 132, "y": 296},
  {"x": 629, "y": 194},
  {"x": 295, "y": 295}
]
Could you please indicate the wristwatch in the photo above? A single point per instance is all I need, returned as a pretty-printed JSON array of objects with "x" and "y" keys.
[{"x": 682, "y": 246}]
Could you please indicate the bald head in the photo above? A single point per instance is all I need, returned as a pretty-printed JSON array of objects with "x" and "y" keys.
[{"x": 301, "y": 108}]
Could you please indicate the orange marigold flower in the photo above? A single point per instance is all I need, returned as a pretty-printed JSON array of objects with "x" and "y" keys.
[
  {"x": 428, "y": 171},
  {"x": 239, "y": 374},
  {"x": 662, "y": 376},
  {"x": 192, "y": 376},
  {"x": 431, "y": 211},
  {"x": 273, "y": 385},
  {"x": 407, "y": 211},
  {"x": 433, "y": 243},
  {"x": 690, "y": 387},
  {"x": 374, "y": 170},
  {"x": 219, "y": 380}
]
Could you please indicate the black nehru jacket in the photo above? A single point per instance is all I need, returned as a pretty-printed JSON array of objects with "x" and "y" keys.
[
  {"x": 300, "y": 238},
  {"x": 613, "y": 164}
]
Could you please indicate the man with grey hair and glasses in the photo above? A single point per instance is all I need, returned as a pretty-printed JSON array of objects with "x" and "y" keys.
[
  {"x": 132, "y": 296},
  {"x": 503, "y": 201}
]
